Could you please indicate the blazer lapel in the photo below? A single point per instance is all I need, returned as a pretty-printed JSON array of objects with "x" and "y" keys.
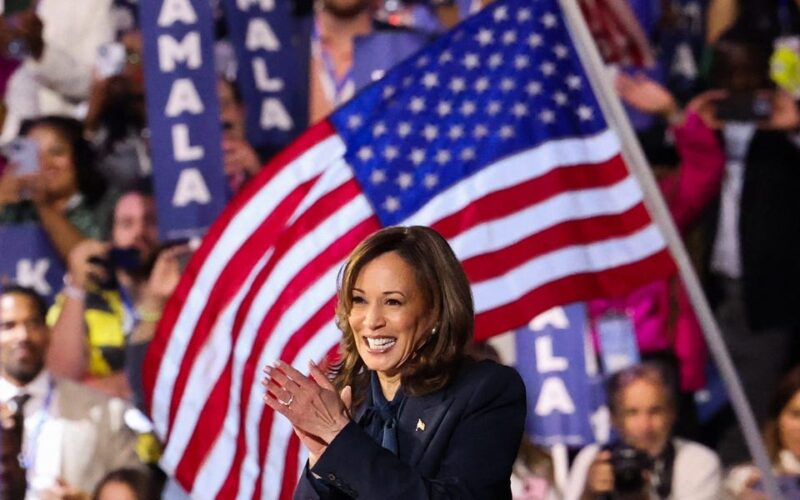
[{"x": 418, "y": 423}]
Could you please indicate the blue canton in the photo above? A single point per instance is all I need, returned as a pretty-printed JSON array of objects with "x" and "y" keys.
[{"x": 503, "y": 81}]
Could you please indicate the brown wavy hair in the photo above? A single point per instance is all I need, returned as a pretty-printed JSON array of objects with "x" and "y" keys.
[
  {"x": 786, "y": 390},
  {"x": 445, "y": 289}
]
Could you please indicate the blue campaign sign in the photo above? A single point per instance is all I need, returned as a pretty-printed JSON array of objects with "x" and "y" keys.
[
  {"x": 270, "y": 62},
  {"x": 183, "y": 115},
  {"x": 27, "y": 258},
  {"x": 550, "y": 355}
]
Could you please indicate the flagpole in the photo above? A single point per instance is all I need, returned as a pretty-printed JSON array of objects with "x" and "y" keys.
[{"x": 634, "y": 156}]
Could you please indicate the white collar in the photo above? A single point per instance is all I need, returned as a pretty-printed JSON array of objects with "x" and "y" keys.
[{"x": 37, "y": 388}]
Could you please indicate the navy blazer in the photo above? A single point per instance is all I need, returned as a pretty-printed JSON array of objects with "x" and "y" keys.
[{"x": 459, "y": 442}]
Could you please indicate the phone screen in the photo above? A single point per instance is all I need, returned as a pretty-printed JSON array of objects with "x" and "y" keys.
[
  {"x": 110, "y": 59},
  {"x": 23, "y": 155},
  {"x": 745, "y": 107}
]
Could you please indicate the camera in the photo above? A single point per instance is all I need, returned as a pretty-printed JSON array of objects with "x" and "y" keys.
[
  {"x": 629, "y": 465},
  {"x": 125, "y": 259}
]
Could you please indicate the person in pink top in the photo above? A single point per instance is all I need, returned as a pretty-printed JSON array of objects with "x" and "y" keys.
[{"x": 660, "y": 313}]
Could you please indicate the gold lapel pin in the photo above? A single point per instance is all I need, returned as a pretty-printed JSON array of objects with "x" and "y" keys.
[{"x": 420, "y": 425}]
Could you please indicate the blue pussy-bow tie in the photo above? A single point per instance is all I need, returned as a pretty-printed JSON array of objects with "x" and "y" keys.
[{"x": 381, "y": 415}]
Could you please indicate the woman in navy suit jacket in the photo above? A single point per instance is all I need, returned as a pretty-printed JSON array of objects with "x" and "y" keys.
[{"x": 408, "y": 414}]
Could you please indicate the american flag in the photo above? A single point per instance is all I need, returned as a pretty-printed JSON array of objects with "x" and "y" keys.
[{"x": 492, "y": 136}]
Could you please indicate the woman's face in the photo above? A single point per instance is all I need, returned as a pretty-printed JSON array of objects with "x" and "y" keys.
[
  {"x": 789, "y": 426},
  {"x": 389, "y": 315},
  {"x": 56, "y": 162}
]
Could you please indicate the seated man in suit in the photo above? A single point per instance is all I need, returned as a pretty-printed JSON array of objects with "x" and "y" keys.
[
  {"x": 72, "y": 436},
  {"x": 647, "y": 462}
]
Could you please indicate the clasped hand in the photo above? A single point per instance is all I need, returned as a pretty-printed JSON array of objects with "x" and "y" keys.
[{"x": 317, "y": 413}]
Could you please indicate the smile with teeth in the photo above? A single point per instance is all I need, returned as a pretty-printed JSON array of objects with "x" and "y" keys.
[{"x": 380, "y": 344}]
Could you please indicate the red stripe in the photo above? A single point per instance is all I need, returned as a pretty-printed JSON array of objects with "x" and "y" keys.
[
  {"x": 304, "y": 279},
  {"x": 507, "y": 201},
  {"x": 616, "y": 281},
  {"x": 215, "y": 408},
  {"x": 158, "y": 346},
  {"x": 570, "y": 233}
]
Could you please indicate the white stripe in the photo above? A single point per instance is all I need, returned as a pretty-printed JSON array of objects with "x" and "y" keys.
[
  {"x": 307, "y": 166},
  {"x": 568, "y": 206},
  {"x": 564, "y": 262},
  {"x": 337, "y": 174},
  {"x": 515, "y": 170},
  {"x": 305, "y": 250},
  {"x": 274, "y": 463}
]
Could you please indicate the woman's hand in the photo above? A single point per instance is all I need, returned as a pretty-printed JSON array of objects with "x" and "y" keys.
[
  {"x": 312, "y": 405},
  {"x": 646, "y": 95},
  {"x": 705, "y": 105},
  {"x": 9, "y": 187},
  {"x": 785, "y": 112},
  {"x": 749, "y": 492}
]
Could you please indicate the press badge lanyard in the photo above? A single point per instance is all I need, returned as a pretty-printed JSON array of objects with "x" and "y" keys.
[
  {"x": 28, "y": 457},
  {"x": 336, "y": 86}
]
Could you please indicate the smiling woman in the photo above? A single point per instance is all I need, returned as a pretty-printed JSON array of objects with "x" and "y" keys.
[
  {"x": 62, "y": 191},
  {"x": 407, "y": 412}
]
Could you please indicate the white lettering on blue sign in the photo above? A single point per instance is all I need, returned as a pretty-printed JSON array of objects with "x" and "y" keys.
[
  {"x": 261, "y": 73},
  {"x": 545, "y": 360},
  {"x": 553, "y": 396},
  {"x": 274, "y": 115},
  {"x": 264, "y": 5},
  {"x": 183, "y": 150},
  {"x": 171, "y": 52},
  {"x": 555, "y": 317},
  {"x": 191, "y": 188},
  {"x": 173, "y": 11},
  {"x": 261, "y": 36},
  {"x": 183, "y": 97},
  {"x": 34, "y": 275}
]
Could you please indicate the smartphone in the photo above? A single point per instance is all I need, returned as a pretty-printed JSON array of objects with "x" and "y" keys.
[
  {"x": 13, "y": 6},
  {"x": 23, "y": 155},
  {"x": 747, "y": 107},
  {"x": 110, "y": 60}
]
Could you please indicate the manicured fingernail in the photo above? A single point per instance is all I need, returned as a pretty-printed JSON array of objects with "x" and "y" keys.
[{"x": 267, "y": 369}]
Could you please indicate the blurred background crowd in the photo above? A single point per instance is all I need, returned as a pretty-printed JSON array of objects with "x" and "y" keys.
[{"x": 711, "y": 88}]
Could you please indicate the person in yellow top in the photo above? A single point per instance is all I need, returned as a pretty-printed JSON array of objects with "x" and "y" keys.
[{"x": 113, "y": 296}]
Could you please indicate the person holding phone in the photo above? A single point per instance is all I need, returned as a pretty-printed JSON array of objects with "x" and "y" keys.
[
  {"x": 116, "y": 120},
  {"x": 754, "y": 282},
  {"x": 54, "y": 183}
]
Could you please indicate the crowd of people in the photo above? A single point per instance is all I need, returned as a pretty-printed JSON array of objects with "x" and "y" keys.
[{"x": 712, "y": 89}]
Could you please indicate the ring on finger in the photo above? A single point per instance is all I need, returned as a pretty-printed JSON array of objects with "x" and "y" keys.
[{"x": 287, "y": 403}]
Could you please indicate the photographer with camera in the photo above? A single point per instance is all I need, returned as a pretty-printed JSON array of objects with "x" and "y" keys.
[
  {"x": 647, "y": 462},
  {"x": 113, "y": 297}
]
